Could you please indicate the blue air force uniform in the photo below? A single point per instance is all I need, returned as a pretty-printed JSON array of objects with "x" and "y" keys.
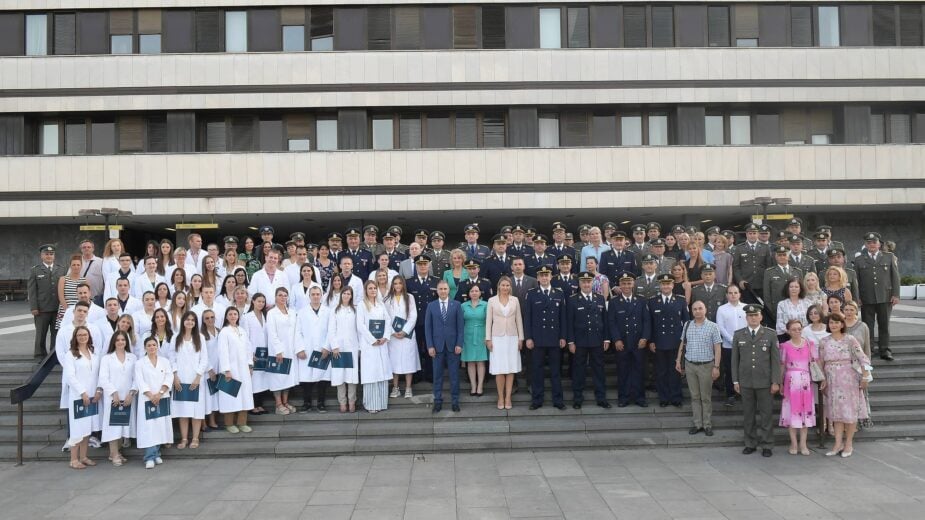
[
  {"x": 629, "y": 322},
  {"x": 668, "y": 315},
  {"x": 424, "y": 292},
  {"x": 544, "y": 323},
  {"x": 587, "y": 330}
]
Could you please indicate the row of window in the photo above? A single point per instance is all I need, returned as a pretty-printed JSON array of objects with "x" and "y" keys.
[
  {"x": 351, "y": 129},
  {"x": 325, "y": 28}
]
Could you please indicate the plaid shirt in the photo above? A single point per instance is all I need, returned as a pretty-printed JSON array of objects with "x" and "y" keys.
[{"x": 699, "y": 341}]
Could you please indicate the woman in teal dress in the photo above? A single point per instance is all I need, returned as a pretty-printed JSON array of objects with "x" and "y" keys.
[
  {"x": 474, "y": 352},
  {"x": 455, "y": 272}
]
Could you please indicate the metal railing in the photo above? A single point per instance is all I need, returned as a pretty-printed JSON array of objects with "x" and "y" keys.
[{"x": 22, "y": 393}]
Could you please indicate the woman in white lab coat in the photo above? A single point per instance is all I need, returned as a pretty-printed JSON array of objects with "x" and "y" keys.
[
  {"x": 235, "y": 361},
  {"x": 210, "y": 332},
  {"x": 190, "y": 361},
  {"x": 280, "y": 321},
  {"x": 311, "y": 334},
  {"x": 153, "y": 376},
  {"x": 375, "y": 367},
  {"x": 298, "y": 293},
  {"x": 342, "y": 338},
  {"x": 117, "y": 379},
  {"x": 254, "y": 323},
  {"x": 81, "y": 376},
  {"x": 403, "y": 350}
]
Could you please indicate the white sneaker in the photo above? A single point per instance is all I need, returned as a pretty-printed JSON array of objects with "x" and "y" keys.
[
  {"x": 93, "y": 442},
  {"x": 395, "y": 392},
  {"x": 408, "y": 393},
  {"x": 149, "y": 464},
  {"x": 158, "y": 461}
]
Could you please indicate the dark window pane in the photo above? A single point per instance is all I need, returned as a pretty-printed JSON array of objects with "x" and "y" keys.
[
  {"x": 900, "y": 128},
  {"x": 103, "y": 137},
  {"x": 349, "y": 28},
  {"x": 322, "y": 28},
  {"x": 181, "y": 132},
  {"x": 604, "y": 130},
  {"x": 801, "y": 26},
  {"x": 524, "y": 127},
  {"x": 178, "y": 31},
  {"x": 12, "y": 135},
  {"x": 156, "y": 134},
  {"x": 795, "y": 126},
  {"x": 207, "y": 31},
  {"x": 634, "y": 26},
  {"x": 856, "y": 21},
  {"x": 438, "y": 131},
  {"x": 521, "y": 30},
  {"x": 493, "y": 130},
  {"x": 131, "y": 134},
  {"x": 464, "y": 27},
  {"x": 579, "y": 33},
  {"x": 493, "y": 24},
  {"x": 718, "y": 26},
  {"x": 352, "y": 133},
  {"x": 690, "y": 123},
  {"x": 150, "y": 21},
  {"x": 606, "y": 26},
  {"x": 877, "y": 131},
  {"x": 884, "y": 25},
  {"x": 121, "y": 21},
  {"x": 65, "y": 33},
  {"x": 575, "y": 131},
  {"x": 75, "y": 137},
  {"x": 263, "y": 30},
  {"x": 407, "y": 28},
  {"x": 271, "y": 135},
  {"x": 662, "y": 26},
  {"x": 437, "y": 24},
  {"x": 92, "y": 29},
  {"x": 215, "y": 136},
  {"x": 466, "y": 130},
  {"x": 910, "y": 25},
  {"x": 379, "y": 20},
  {"x": 242, "y": 134},
  {"x": 767, "y": 129},
  {"x": 746, "y": 21},
  {"x": 772, "y": 25},
  {"x": 292, "y": 15},
  {"x": 12, "y": 34},
  {"x": 409, "y": 131},
  {"x": 692, "y": 22}
]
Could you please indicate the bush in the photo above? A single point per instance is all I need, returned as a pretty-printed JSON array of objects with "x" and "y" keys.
[{"x": 912, "y": 280}]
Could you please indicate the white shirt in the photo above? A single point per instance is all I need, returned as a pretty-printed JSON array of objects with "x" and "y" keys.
[{"x": 730, "y": 318}]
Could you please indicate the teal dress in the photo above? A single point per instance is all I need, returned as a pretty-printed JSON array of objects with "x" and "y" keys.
[
  {"x": 451, "y": 281},
  {"x": 474, "y": 348}
]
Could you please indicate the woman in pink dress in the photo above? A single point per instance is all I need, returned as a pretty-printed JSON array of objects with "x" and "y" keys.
[
  {"x": 846, "y": 377},
  {"x": 797, "y": 411}
]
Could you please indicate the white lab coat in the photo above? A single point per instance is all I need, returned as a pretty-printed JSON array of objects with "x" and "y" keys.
[
  {"x": 310, "y": 334},
  {"x": 151, "y": 378},
  {"x": 299, "y": 297},
  {"x": 257, "y": 336},
  {"x": 81, "y": 375},
  {"x": 142, "y": 284},
  {"x": 342, "y": 335},
  {"x": 235, "y": 357},
  {"x": 403, "y": 352},
  {"x": 261, "y": 283},
  {"x": 96, "y": 312},
  {"x": 216, "y": 307},
  {"x": 62, "y": 350},
  {"x": 212, "y": 352},
  {"x": 109, "y": 285},
  {"x": 279, "y": 341},
  {"x": 374, "y": 359},
  {"x": 187, "y": 363},
  {"x": 142, "y": 325},
  {"x": 117, "y": 378},
  {"x": 106, "y": 332}
]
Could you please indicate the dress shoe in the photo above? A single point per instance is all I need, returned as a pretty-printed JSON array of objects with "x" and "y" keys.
[
  {"x": 748, "y": 450},
  {"x": 663, "y": 404},
  {"x": 559, "y": 406},
  {"x": 576, "y": 406},
  {"x": 437, "y": 408},
  {"x": 730, "y": 401},
  {"x": 708, "y": 432},
  {"x": 766, "y": 452},
  {"x": 694, "y": 430},
  {"x": 642, "y": 404},
  {"x": 534, "y": 406},
  {"x": 622, "y": 404},
  {"x": 455, "y": 407},
  {"x": 887, "y": 355},
  {"x": 604, "y": 404},
  {"x": 676, "y": 404}
]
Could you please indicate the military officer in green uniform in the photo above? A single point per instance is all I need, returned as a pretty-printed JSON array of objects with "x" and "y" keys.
[
  {"x": 819, "y": 251},
  {"x": 828, "y": 231},
  {"x": 397, "y": 231},
  {"x": 878, "y": 292},
  {"x": 439, "y": 256},
  {"x": 795, "y": 227},
  {"x": 43, "y": 298},
  {"x": 776, "y": 279},
  {"x": 798, "y": 257},
  {"x": 756, "y": 376},
  {"x": 712, "y": 294},
  {"x": 371, "y": 240},
  {"x": 750, "y": 262}
]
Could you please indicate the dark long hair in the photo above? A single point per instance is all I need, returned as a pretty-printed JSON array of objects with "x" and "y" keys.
[
  {"x": 340, "y": 300},
  {"x": 112, "y": 341},
  {"x": 75, "y": 350},
  {"x": 194, "y": 334},
  {"x": 343, "y": 285},
  {"x": 169, "y": 330}
]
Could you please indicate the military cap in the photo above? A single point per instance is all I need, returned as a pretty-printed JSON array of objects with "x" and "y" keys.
[
  {"x": 558, "y": 226},
  {"x": 639, "y": 228},
  {"x": 421, "y": 259},
  {"x": 794, "y": 239},
  {"x": 471, "y": 264},
  {"x": 692, "y": 229},
  {"x": 515, "y": 256},
  {"x": 421, "y": 233},
  {"x": 665, "y": 278},
  {"x": 395, "y": 230},
  {"x": 352, "y": 232},
  {"x": 370, "y": 228},
  {"x": 626, "y": 276},
  {"x": 564, "y": 259},
  {"x": 498, "y": 238},
  {"x": 584, "y": 228},
  {"x": 230, "y": 239},
  {"x": 751, "y": 226},
  {"x": 311, "y": 245},
  {"x": 437, "y": 235},
  {"x": 505, "y": 230},
  {"x": 471, "y": 228},
  {"x": 821, "y": 236},
  {"x": 795, "y": 221},
  {"x": 677, "y": 228},
  {"x": 544, "y": 270},
  {"x": 657, "y": 242},
  {"x": 781, "y": 250},
  {"x": 609, "y": 225},
  {"x": 712, "y": 230},
  {"x": 618, "y": 234},
  {"x": 334, "y": 235},
  {"x": 531, "y": 232},
  {"x": 782, "y": 235},
  {"x": 873, "y": 236},
  {"x": 753, "y": 308},
  {"x": 266, "y": 229},
  {"x": 728, "y": 233},
  {"x": 654, "y": 225},
  {"x": 569, "y": 236},
  {"x": 389, "y": 234},
  {"x": 585, "y": 275},
  {"x": 834, "y": 251},
  {"x": 648, "y": 257},
  {"x": 517, "y": 228},
  {"x": 764, "y": 228},
  {"x": 540, "y": 238},
  {"x": 46, "y": 248},
  {"x": 708, "y": 268}
]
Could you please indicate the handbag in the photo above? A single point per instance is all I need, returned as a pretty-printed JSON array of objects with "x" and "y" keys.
[{"x": 815, "y": 372}]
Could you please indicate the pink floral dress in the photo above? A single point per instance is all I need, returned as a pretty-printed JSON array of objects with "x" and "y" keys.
[
  {"x": 798, "y": 409},
  {"x": 844, "y": 400}
]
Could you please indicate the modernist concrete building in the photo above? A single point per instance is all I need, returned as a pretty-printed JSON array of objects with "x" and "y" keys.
[{"x": 314, "y": 115}]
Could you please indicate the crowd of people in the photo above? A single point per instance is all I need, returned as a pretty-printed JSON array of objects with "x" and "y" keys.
[{"x": 196, "y": 336}]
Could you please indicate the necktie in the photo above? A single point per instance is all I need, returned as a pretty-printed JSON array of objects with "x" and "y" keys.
[
  {"x": 753, "y": 334},
  {"x": 545, "y": 292},
  {"x": 472, "y": 250},
  {"x": 518, "y": 284},
  {"x": 443, "y": 310}
]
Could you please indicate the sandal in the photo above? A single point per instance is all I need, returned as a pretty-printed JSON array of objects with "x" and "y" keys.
[
  {"x": 182, "y": 444},
  {"x": 805, "y": 452},
  {"x": 343, "y": 408},
  {"x": 195, "y": 444},
  {"x": 87, "y": 462},
  {"x": 76, "y": 464},
  {"x": 117, "y": 462}
]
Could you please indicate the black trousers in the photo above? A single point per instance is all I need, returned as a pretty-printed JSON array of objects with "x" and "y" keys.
[
  {"x": 879, "y": 313},
  {"x": 667, "y": 379},
  {"x": 427, "y": 364},
  {"x": 538, "y": 359},
  {"x": 630, "y": 370},
  {"x": 583, "y": 356},
  {"x": 308, "y": 389},
  {"x": 726, "y": 364}
]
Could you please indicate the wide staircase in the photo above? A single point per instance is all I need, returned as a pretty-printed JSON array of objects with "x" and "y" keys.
[{"x": 408, "y": 426}]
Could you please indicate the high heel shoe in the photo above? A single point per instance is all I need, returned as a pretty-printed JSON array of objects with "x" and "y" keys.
[{"x": 833, "y": 453}]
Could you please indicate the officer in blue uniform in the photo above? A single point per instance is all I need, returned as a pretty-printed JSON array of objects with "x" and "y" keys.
[
  {"x": 335, "y": 246},
  {"x": 588, "y": 339},
  {"x": 518, "y": 245},
  {"x": 558, "y": 247},
  {"x": 544, "y": 331},
  {"x": 472, "y": 248},
  {"x": 617, "y": 260},
  {"x": 390, "y": 239},
  {"x": 499, "y": 263},
  {"x": 424, "y": 289},
  {"x": 630, "y": 328},
  {"x": 473, "y": 278},
  {"x": 362, "y": 258},
  {"x": 564, "y": 280},
  {"x": 540, "y": 257},
  {"x": 668, "y": 314}
]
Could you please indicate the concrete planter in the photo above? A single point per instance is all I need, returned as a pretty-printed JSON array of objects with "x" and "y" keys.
[
  {"x": 907, "y": 292},
  {"x": 920, "y": 291}
]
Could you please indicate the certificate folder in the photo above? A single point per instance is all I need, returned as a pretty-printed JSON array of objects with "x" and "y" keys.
[
  {"x": 399, "y": 323},
  {"x": 213, "y": 386},
  {"x": 260, "y": 358},
  {"x": 81, "y": 410},
  {"x": 162, "y": 409},
  {"x": 186, "y": 394},
  {"x": 344, "y": 361},
  {"x": 120, "y": 415},
  {"x": 230, "y": 387},
  {"x": 316, "y": 361},
  {"x": 275, "y": 367},
  {"x": 377, "y": 328}
]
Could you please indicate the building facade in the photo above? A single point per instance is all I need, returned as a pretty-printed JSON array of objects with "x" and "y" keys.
[{"x": 314, "y": 115}]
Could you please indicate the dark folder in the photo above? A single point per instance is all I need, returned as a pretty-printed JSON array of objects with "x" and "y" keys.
[
  {"x": 377, "y": 328},
  {"x": 81, "y": 411},
  {"x": 120, "y": 415},
  {"x": 275, "y": 367},
  {"x": 186, "y": 394},
  {"x": 399, "y": 323},
  {"x": 344, "y": 361},
  {"x": 260, "y": 358},
  {"x": 316, "y": 361},
  {"x": 162, "y": 409},
  {"x": 230, "y": 387},
  {"x": 213, "y": 385}
]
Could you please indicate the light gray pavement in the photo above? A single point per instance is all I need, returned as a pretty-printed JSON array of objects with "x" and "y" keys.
[{"x": 881, "y": 481}]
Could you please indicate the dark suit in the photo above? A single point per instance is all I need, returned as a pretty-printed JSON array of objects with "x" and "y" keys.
[
  {"x": 523, "y": 251},
  {"x": 629, "y": 321},
  {"x": 668, "y": 321},
  {"x": 423, "y": 293},
  {"x": 587, "y": 329},
  {"x": 614, "y": 264},
  {"x": 544, "y": 323},
  {"x": 462, "y": 289},
  {"x": 494, "y": 268},
  {"x": 533, "y": 263},
  {"x": 568, "y": 286},
  {"x": 444, "y": 336},
  {"x": 395, "y": 258},
  {"x": 557, "y": 251}
]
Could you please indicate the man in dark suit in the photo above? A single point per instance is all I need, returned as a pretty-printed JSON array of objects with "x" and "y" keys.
[
  {"x": 544, "y": 329},
  {"x": 423, "y": 287},
  {"x": 390, "y": 240},
  {"x": 587, "y": 337},
  {"x": 518, "y": 246},
  {"x": 668, "y": 313},
  {"x": 499, "y": 263},
  {"x": 630, "y": 328},
  {"x": 520, "y": 282},
  {"x": 443, "y": 328},
  {"x": 558, "y": 247}
]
